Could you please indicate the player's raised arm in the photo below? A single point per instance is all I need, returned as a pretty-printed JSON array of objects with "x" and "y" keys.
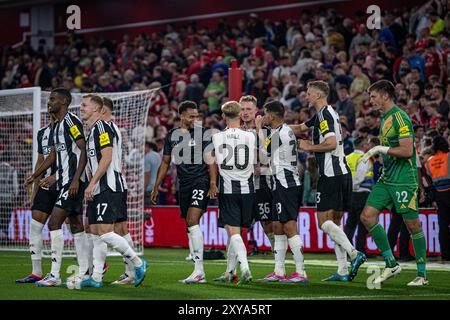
[
  {"x": 327, "y": 131},
  {"x": 299, "y": 128},
  {"x": 261, "y": 141}
]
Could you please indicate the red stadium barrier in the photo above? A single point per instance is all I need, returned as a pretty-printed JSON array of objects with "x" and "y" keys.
[
  {"x": 235, "y": 76},
  {"x": 165, "y": 228}
]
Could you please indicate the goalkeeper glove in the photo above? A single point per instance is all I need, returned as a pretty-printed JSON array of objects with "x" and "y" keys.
[{"x": 374, "y": 151}]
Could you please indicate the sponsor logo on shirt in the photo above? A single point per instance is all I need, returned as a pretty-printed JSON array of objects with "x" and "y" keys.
[
  {"x": 324, "y": 126},
  {"x": 404, "y": 131},
  {"x": 104, "y": 139},
  {"x": 74, "y": 131}
]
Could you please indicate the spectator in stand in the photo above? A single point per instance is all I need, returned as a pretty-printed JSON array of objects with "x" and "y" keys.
[
  {"x": 310, "y": 178},
  {"x": 215, "y": 91},
  {"x": 439, "y": 98},
  {"x": 373, "y": 123},
  {"x": 194, "y": 90},
  {"x": 437, "y": 168},
  {"x": 152, "y": 161},
  {"x": 359, "y": 84},
  {"x": 345, "y": 107}
]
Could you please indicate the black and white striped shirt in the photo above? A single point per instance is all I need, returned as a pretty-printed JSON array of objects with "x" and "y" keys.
[
  {"x": 45, "y": 143},
  {"x": 264, "y": 179},
  {"x": 326, "y": 124},
  {"x": 65, "y": 135},
  {"x": 117, "y": 152},
  {"x": 282, "y": 150},
  {"x": 101, "y": 136},
  {"x": 235, "y": 151}
]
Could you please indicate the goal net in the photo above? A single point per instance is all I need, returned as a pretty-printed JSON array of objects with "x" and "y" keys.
[{"x": 22, "y": 113}]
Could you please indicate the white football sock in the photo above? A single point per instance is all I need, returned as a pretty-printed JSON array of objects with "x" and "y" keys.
[
  {"x": 239, "y": 247},
  {"x": 279, "y": 252},
  {"x": 341, "y": 256},
  {"x": 99, "y": 254},
  {"x": 36, "y": 246},
  {"x": 231, "y": 258},
  {"x": 57, "y": 246},
  {"x": 197, "y": 247},
  {"x": 296, "y": 247},
  {"x": 191, "y": 249},
  {"x": 121, "y": 245},
  {"x": 90, "y": 251},
  {"x": 339, "y": 237},
  {"x": 82, "y": 252},
  {"x": 129, "y": 270}
]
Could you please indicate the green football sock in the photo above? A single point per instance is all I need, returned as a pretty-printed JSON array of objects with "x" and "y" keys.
[
  {"x": 420, "y": 250},
  {"x": 379, "y": 236}
]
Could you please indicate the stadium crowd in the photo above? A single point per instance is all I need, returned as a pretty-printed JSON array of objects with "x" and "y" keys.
[{"x": 411, "y": 49}]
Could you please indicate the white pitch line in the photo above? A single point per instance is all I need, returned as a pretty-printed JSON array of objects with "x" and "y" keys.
[
  {"x": 355, "y": 297},
  {"x": 332, "y": 263}
]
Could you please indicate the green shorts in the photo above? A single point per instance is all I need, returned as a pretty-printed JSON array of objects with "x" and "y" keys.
[{"x": 403, "y": 198}]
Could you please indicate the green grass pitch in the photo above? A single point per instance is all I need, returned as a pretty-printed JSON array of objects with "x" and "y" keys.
[{"x": 166, "y": 266}]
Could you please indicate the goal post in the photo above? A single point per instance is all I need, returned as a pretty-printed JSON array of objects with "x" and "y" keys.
[{"x": 22, "y": 113}]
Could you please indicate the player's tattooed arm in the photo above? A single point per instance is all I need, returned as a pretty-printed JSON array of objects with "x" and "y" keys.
[
  {"x": 103, "y": 165},
  {"x": 162, "y": 172},
  {"x": 44, "y": 166}
]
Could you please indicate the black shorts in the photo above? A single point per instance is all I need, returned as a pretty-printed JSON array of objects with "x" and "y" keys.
[
  {"x": 236, "y": 210},
  {"x": 45, "y": 200},
  {"x": 105, "y": 207},
  {"x": 71, "y": 205},
  {"x": 334, "y": 193},
  {"x": 193, "y": 196},
  {"x": 286, "y": 203},
  {"x": 123, "y": 213},
  {"x": 263, "y": 205}
]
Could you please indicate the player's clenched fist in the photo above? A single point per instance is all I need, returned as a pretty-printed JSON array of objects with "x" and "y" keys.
[
  {"x": 47, "y": 182},
  {"x": 304, "y": 144}
]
